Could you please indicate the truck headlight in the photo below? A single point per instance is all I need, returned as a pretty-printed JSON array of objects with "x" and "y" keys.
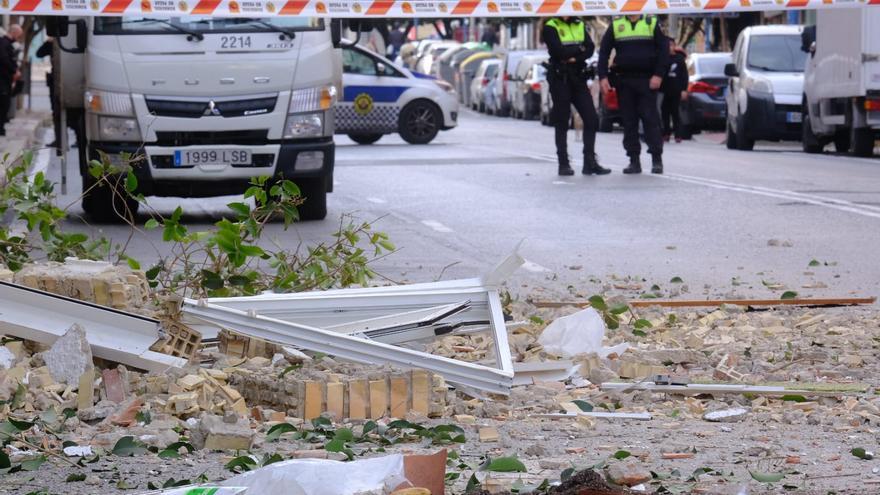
[
  {"x": 118, "y": 129},
  {"x": 108, "y": 103},
  {"x": 304, "y": 125},
  {"x": 312, "y": 99}
]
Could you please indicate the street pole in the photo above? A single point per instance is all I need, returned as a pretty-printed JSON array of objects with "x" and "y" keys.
[{"x": 62, "y": 113}]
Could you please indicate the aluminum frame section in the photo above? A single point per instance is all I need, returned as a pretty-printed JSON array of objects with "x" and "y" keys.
[
  {"x": 350, "y": 348},
  {"x": 114, "y": 335}
]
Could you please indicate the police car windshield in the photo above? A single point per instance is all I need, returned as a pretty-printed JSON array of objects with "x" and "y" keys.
[
  {"x": 776, "y": 53},
  {"x": 203, "y": 25}
]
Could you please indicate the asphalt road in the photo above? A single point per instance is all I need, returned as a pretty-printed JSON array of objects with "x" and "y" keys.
[{"x": 457, "y": 206}]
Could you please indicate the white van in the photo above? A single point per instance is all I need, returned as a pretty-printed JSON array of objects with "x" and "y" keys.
[
  {"x": 765, "y": 87},
  {"x": 202, "y": 104},
  {"x": 842, "y": 82}
]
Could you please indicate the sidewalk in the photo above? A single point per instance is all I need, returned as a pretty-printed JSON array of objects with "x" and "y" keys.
[{"x": 22, "y": 133}]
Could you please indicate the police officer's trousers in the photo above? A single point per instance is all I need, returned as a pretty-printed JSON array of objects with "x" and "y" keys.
[
  {"x": 568, "y": 90},
  {"x": 638, "y": 101}
]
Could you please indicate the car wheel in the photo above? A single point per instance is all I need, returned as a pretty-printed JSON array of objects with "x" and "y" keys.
[
  {"x": 731, "y": 137},
  {"x": 481, "y": 108},
  {"x": 108, "y": 203},
  {"x": 841, "y": 141},
  {"x": 314, "y": 191},
  {"x": 419, "y": 122},
  {"x": 809, "y": 141},
  {"x": 743, "y": 142},
  {"x": 365, "y": 138},
  {"x": 861, "y": 141}
]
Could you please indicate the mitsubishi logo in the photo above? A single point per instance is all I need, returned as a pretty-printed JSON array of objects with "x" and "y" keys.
[{"x": 212, "y": 109}]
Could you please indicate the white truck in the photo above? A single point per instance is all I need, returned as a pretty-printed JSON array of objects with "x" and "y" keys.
[
  {"x": 203, "y": 104},
  {"x": 841, "y": 102}
]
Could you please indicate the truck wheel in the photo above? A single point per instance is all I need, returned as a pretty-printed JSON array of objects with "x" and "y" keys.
[
  {"x": 108, "y": 204},
  {"x": 314, "y": 191},
  {"x": 743, "y": 142},
  {"x": 365, "y": 138},
  {"x": 420, "y": 122},
  {"x": 841, "y": 141},
  {"x": 861, "y": 141},
  {"x": 731, "y": 138},
  {"x": 809, "y": 141}
]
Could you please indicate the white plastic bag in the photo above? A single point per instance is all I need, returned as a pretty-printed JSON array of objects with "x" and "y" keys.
[
  {"x": 578, "y": 333},
  {"x": 379, "y": 475}
]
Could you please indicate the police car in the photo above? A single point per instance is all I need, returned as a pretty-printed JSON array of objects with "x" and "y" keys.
[{"x": 381, "y": 98}]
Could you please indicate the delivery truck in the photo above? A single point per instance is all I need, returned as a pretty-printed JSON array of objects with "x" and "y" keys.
[{"x": 841, "y": 101}]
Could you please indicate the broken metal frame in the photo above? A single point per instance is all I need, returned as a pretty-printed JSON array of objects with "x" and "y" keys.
[
  {"x": 114, "y": 335},
  {"x": 349, "y": 347},
  {"x": 719, "y": 388},
  {"x": 340, "y": 322}
]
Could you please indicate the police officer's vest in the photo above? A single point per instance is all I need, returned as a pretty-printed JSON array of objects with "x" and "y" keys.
[
  {"x": 643, "y": 29},
  {"x": 569, "y": 33}
]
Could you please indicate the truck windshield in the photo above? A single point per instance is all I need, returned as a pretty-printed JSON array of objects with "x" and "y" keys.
[
  {"x": 777, "y": 53},
  {"x": 204, "y": 25}
]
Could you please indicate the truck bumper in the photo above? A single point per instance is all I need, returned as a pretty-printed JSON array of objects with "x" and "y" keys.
[
  {"x": 158, "y": 177},
  {"x": 767, "y": 120}
]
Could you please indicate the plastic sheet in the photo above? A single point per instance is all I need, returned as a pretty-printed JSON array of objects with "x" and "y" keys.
[{"x": 578, "y": 333}]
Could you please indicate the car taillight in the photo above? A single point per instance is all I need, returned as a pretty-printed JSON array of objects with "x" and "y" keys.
[
  {"x": 536, "y": 86},
  {"x": 872, "y": 104},
  {"x": 611, "y": 100},
  {"x": 702, "y": 87},
  {"x": 485, "y": 81}
]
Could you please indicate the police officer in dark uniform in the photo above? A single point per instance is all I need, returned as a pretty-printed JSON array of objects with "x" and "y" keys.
[
  {"x": 641, "y": 60},
  {"x": 570, "y": 47}
]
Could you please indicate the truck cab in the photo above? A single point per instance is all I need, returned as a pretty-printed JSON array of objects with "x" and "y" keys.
[
  {"x": 201, "y": 105},
  {"x": 841, "y": 100}
]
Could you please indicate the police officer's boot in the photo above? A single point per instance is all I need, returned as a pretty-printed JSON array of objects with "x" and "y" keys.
[
  {"x": 564, "y": 167},
  {"x": 591, "y": 166},
  {"x": 635, "y": 166},
  {"x": 657, "y": 164}
]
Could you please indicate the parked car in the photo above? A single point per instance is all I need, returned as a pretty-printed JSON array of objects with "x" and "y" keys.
[
  {"x": 766, "y": 85},
  {"x": 526, "y": 98},
  {"x": 426, "y": 60},
  {"x": 502, "y": 82},
  {"x": 479, "y": 87},
  {"x": 706, "y": 107},
  {"x": 379, "y": 97},
  {"x": 467, "y": 70}
]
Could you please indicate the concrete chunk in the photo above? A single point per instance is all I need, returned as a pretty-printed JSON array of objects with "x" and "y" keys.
[
  {"x": 70, "y": 356},
  {"x": 220, "y": 435}
]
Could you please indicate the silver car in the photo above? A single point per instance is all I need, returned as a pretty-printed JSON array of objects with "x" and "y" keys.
[{"x": 480, "y": 84}]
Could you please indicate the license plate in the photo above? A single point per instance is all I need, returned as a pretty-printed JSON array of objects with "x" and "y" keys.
[
  {"x": 189, "y": 158},
  {"x": 793, "y": 117}
]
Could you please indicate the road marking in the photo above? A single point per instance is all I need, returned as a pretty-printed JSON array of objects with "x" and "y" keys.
[
  {"x": 439, "y": 227},
  {"x": 562, "y": 183},
  {"x": 824, "y": 201},
  {"x": 378, "y": 201}
]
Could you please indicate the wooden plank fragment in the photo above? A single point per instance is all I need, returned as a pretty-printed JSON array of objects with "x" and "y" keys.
[
  {"x": 421, "y": 392},
  {"x": 357, "y": 399},
  {"x": 314, "y": 400},
  {"x": 335, "y": 399},
  {"x": 378, "y": 399},
  {"x": 399, "y": 397}
]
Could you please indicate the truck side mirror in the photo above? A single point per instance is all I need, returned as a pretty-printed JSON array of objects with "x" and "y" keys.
[
  {"x": 730, "y": 70},
  {"x": 57, "y": 26},
  {"x": 336, "y": 32}
]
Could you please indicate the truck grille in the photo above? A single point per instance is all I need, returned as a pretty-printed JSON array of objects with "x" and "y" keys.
[
  {"x": 198, "y": 109},
  {"x": 183, "y": 138},
  {"x": 257, "y": 160}
]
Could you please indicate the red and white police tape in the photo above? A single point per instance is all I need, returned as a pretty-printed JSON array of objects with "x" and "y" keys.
[{"x": 406, "y": 8}]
